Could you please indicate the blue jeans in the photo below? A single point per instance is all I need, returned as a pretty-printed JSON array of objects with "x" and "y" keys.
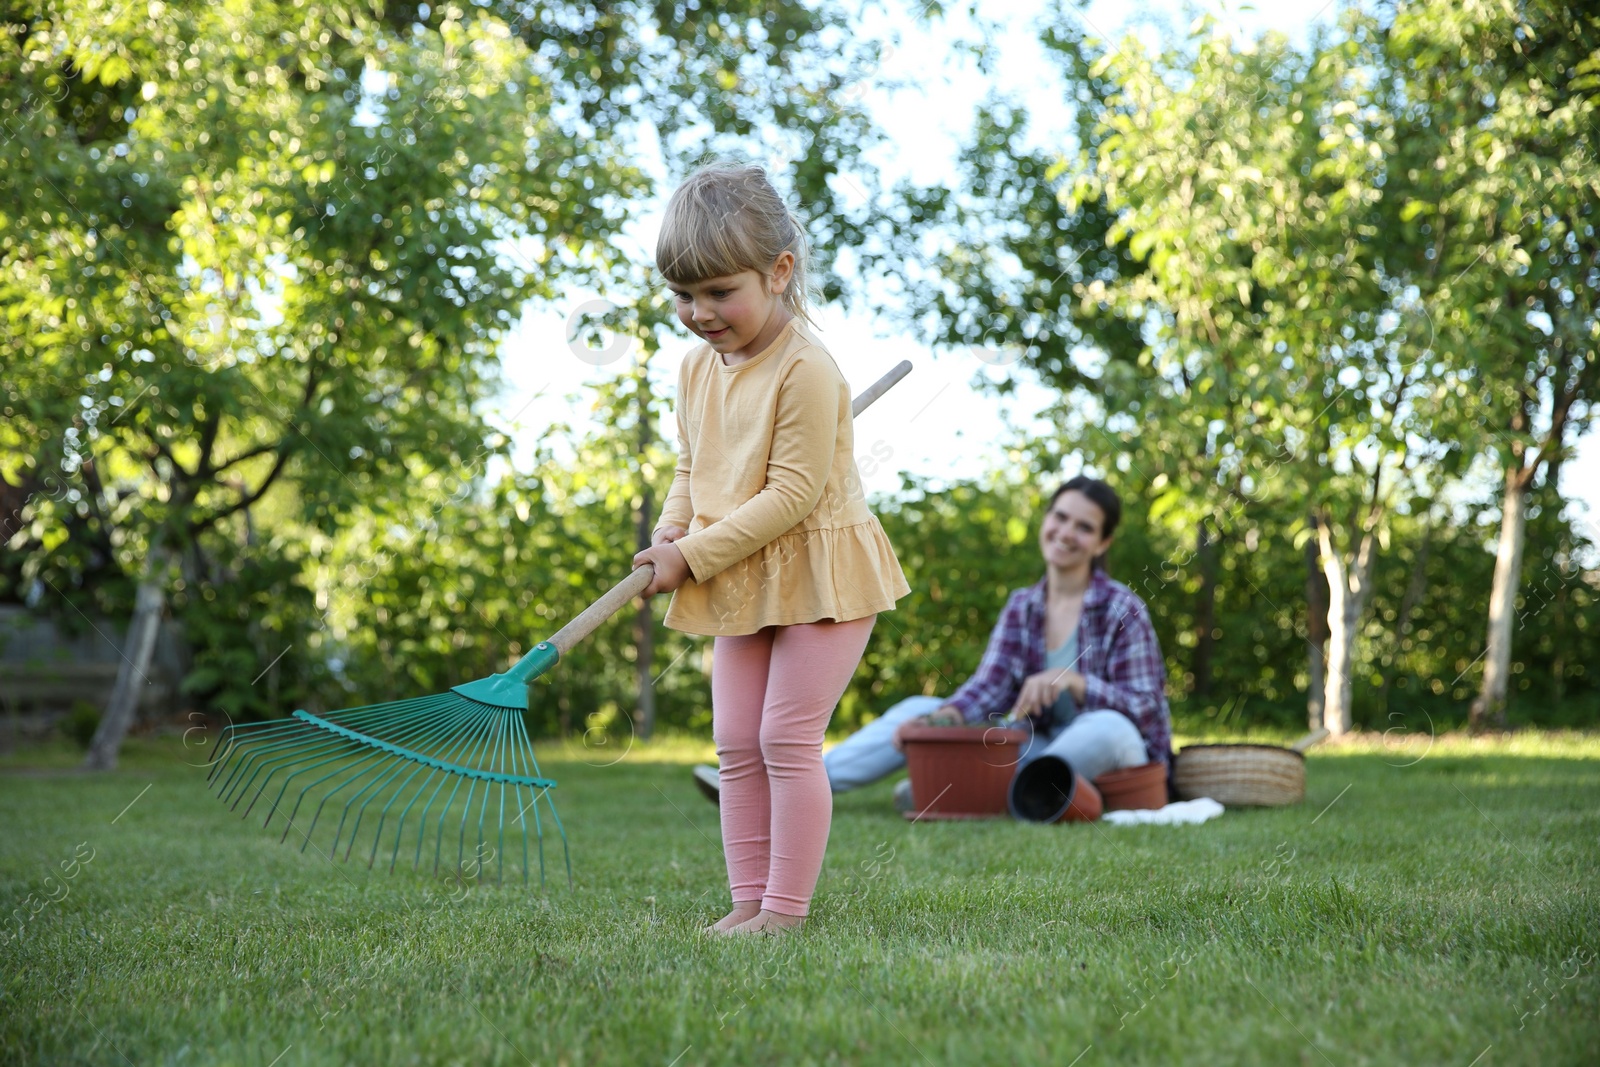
[{"x": 1092, "y": 743}]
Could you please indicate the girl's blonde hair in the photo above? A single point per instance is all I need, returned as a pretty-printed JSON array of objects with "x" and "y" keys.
[{"x": 727, "y": 218}]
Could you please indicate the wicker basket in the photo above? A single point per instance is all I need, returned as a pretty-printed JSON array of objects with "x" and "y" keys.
[{"x": 1236, "y": 775}]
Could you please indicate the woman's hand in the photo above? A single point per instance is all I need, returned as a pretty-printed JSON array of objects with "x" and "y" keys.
[
  {"x": 945, "y": 716},
  {"x": 672, "y": 570},
  {"x": 1039, "y": 691},
  {"x": 668, "y": 534}
]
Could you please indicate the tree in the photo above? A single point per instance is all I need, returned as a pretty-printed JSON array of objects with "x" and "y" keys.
[
  {"x": 1498, "y": 174},
  {"x": 233, "y": 263},
  {"x": 270, "y": 252},
  {"x": 1248, "y": 179},
  {"x": 1223, "y": 273},
  {"x": 1167, "y": 293}
]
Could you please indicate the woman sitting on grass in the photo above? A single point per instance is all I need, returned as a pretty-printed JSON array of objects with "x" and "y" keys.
[{"x": 1074, "y": 655}]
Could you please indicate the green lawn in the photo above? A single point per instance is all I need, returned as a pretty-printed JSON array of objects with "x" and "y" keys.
[{"x": 1425, "y": 905}]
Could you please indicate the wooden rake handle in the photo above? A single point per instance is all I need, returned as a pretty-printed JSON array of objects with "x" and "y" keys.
[
  {"x": 624, "y": 591},
  {"x": 1310, "y": 739}
]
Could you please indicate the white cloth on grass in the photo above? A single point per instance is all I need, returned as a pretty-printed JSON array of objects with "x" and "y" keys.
[{"x": 1177, "y": 814}]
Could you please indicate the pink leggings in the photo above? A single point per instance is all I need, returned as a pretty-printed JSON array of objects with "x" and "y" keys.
[{"x": 772, "y": 693}]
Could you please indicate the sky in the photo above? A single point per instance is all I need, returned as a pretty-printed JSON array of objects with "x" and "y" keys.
[{"x": 935, "y": 423}]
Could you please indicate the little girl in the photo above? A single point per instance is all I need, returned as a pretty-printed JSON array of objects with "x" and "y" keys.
[{"x": 765, "y": 536}]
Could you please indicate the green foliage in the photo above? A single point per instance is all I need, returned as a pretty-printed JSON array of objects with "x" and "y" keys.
[
  {"x": 963, "y": 546},
  {"x": 967, "y": 545},
  {"x": 1272, "y": 282},
  {"x": 80, "y": 723},
  {"x": 248, "y": 249},
  {"x": 248, "y": 618},
  {"x": 256, "y": 262},
  {"x": 1496, "y": 190}
]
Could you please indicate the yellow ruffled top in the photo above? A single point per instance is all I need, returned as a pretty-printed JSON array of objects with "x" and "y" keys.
[{"x": 767, "y": 486}]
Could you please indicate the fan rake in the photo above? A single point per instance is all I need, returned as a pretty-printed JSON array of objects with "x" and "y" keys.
[{"x": 442, "y": 762}]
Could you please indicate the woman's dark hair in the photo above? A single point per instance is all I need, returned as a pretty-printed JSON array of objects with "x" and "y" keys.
[{"x": 1103, "y": 496}]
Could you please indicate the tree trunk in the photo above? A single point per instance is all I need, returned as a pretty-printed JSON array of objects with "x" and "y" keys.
[
  {"x": 1347, "y": 596},
  {"x": 1408, "y": 607},
  {"x": 1207, "y": 550},
  {"x": 1490, "y": 706},
  {"x": 1316, "y": 698},
  {"x": 1558, "y": 666},
  {"x": 1558, "y": 624},
  {"x": 1336, "y": 715},
  {"x": 645, "y": 621},
  {"x": 133, "y": 674},
  {"x": 1316, "y": 633},
  {"x": 644, "y": 635}
]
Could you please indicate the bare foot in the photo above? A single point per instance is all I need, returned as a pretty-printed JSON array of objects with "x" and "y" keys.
[
  {"x": 769, "y": 922},
  {"x": 743, "y": 911}
]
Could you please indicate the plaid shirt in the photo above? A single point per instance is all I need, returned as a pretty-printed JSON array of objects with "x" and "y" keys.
[{"x": 1119, "y": 658}]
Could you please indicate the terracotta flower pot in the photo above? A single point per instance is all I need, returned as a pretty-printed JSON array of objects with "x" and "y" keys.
[
  {"x": 961, "y": 772},
  {"x": 1142, "y": 787},
  {"x": 1049, "y": 790}
]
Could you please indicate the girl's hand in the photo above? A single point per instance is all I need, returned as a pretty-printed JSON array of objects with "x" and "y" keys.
[
  {"x": 668, "y": 534},
  {"x": 672, "y": 570},
  {"x": 1039, "y": 691}
]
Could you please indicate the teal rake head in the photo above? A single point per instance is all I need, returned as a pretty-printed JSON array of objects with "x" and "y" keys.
[{"x": 457, "y": 765}]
